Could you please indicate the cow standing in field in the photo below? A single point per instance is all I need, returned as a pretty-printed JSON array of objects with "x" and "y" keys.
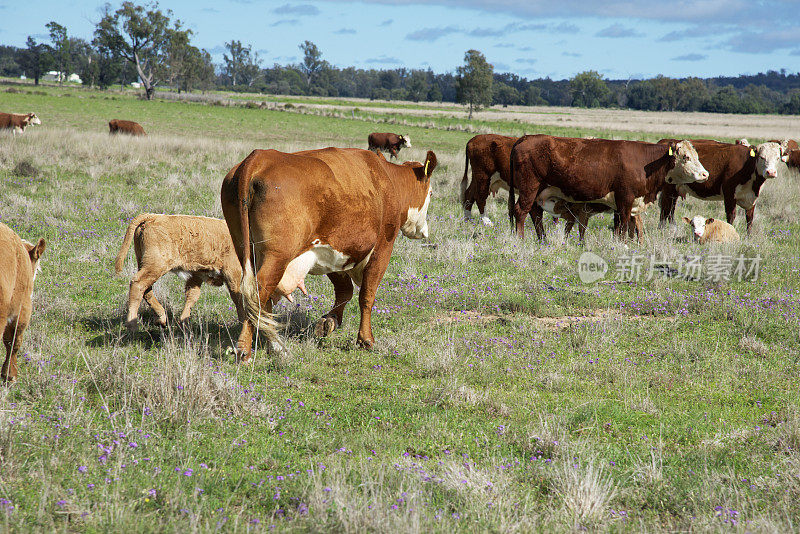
[
  {"x": 736, "y": 174},
  {"x": 331, "y": 211},
  {"x": 626, "y": 176},
  {"x": 117, "y": 126},
  {"x": 198, "y": 249},
  {"x": 19, "y": 263},
  {"x": 489, "y": 155},
  {"x": 379, "y": 142},
  {"x": 16, "y": 122}
]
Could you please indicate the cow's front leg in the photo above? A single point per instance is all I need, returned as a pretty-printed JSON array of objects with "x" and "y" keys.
[
  {"x": 373, "y": 274},
  {"x": 730, "y": 206},
  {"x": 393, "y": 152},
  {"x": 343, "y": 292},
  {"x": 749, "y": 216},
  {"x": 624, "y": 205}
]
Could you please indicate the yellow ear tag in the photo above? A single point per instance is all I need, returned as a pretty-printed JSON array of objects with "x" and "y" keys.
[
  {"x": 752, "y": 153},
  {"x": 670, "y": 151},
  {"x": 425, "y": 170}
]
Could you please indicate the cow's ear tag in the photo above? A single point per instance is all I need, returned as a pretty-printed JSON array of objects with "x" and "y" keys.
[
  {"x": 425, "y": 170},
  {"x": 752, "y": 153},
  {"x": 670, "y": 151}
]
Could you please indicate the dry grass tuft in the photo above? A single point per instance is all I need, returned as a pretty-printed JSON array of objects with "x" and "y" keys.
[{"x": 586, "y": 490}]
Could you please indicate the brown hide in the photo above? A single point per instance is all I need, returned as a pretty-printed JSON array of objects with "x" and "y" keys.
[
  {"x": 386, "y": 141},
  {"x": 18, "y": 262},
  {"x": 198, "y": 248},
  {"x": 310, "y": 203},
  {"x": 118, "y": 126},
  {"x": 728, "y": 165},
  {"x": 15, "y": 121},
  {"x": 585, "y": 170},
  {"x": 487, "y": 154}
]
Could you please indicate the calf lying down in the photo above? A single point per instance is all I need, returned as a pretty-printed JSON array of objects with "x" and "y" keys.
[
  {"x": 711, "y": 230},
  {"x": 198, "y": 249}
]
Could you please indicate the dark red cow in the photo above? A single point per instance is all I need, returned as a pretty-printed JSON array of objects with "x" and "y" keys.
[
  {"x": 388, "y": 141},
  {"x": 118, "y": 126},
  {"x": 490, "y": 156}
]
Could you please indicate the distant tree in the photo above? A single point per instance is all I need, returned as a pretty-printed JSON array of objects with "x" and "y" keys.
[
  {"x": 504, "y": 94},
  {"x": 435, "y": 94},
  {"x": 241, "y": 64},
  {"x": 312, "y": 61},
  {"x": 533, "y": 96},
  {"x": 474, "y": 81},
  {"x": 60, "y": 49},
  {"x": 34, "y": 60},
  {"x": 588, "y": 89},
  {"x": 793, "y": 106},
  {"x": 140, "y": 35},
  {"x": 418, "y": 86}
]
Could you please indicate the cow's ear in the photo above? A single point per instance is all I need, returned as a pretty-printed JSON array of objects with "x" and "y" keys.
[
  {"x": 785, "y": 158},
  {"x": 687, "y": 220},
  {"x": 429, "y": 165},
  {"x": 36, "y": 251},
  {"x": 709, "y": 220}
]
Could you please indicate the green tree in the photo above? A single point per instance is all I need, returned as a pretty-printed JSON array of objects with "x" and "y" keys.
[
  {"x": 60, "y": 49},
  {"x": 312, "y": 61},
  {"x": 140, "y": 35},
  {"x": 588, "y": 89},
  {"x": 241, "y": 64},
  {"x": 34, "y": 60},
  {"x": 474, "y": 81},
  {"x": 417, "y": 86},
  {"x": 504, "y": 94}
]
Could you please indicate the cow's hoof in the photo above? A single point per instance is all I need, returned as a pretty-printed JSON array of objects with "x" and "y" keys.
[
  {"x": 325, "y": 327},
  {"x": 132, "y": 325},
  {"x": 365, "y": 343},
  {"x": 241, "y": 355},
  {"x": 486, "y": 221}
]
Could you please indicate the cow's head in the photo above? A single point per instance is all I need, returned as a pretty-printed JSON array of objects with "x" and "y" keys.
[
  {"x": 405, "y": 140},
  {"x": 34, "y": 252},
  {"x": 31, "y": 118},
  {"x": 686, "y": 166},
  {"x": 743, "y": 142},
  {"x": 698, "y": 224},
  {"x": 416, "y": 225},
  {"x": 767, "y": 156}
]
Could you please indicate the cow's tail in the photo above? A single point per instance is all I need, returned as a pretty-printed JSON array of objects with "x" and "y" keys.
[
  {"x": 511, "y": 200},
  {"x": 463, "y": 194},
  {"x": 126, "y": 242},
  {"x": 261, "y": 319}
]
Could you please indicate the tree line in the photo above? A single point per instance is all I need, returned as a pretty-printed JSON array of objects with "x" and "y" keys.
[{"x": 146, "y": 44}]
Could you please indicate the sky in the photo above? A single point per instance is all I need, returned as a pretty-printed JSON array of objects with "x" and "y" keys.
[{"x": 621, "y": 39}]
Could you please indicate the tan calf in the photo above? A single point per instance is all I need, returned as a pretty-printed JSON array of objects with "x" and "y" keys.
[
  {"x": 19, "y": 261},
  {"x": 198, "y": 249},
  {"x": 711, "y": 230}
]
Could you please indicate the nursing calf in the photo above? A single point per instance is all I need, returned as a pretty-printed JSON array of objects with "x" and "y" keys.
[
  {"x": 331, "y": 211},
  {"x": 490, "y": 156}
]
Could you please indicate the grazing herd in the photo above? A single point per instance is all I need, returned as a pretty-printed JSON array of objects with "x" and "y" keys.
[{"x": 338, "y": 212}]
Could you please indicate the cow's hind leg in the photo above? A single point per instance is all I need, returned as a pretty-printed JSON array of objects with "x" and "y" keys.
[
  {"x": 343, "y": 292},
  {"x": 193, "y": 285},
  {"x": 269, "y": 275},
  {"x": 142, "y": 283},
  {"x": 152, "y": 301},
  {"x": 12, "y": 339}
]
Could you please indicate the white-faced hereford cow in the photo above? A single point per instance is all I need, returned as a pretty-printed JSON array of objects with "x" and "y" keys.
[
  {"x": 331, "y": 211},
  {"x": 490, "y": 156},
  {"x": 736, "y": 174},
  {"x": 19, "y": 261},
  {"x": 16, "y": 122},
  {"x": 118, "y": 126},
  {"x": 379, "y": 142},
  {"x": 198, "y": 249},
  {"x": 626, "y": 176}
]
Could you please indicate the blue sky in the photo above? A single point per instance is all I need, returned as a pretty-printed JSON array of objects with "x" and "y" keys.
[{"x": 533, "y": 38}]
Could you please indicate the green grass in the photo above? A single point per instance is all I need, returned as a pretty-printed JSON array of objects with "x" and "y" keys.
[{"x": 660, "y": 405}]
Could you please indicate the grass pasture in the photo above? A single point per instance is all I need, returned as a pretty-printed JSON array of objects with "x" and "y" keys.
[{"x": 503, "y": 394}]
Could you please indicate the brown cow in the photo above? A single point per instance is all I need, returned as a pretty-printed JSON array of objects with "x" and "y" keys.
[
  {"x": 117, "y": 126},
  {"x": 490, "y": 156},
  {"x": 16, "y": 122},
  {"x": 736, "y": 174},
  {"x": 792, "y": 159},
  {"x": 624, "y": 175},
  {"x": 332, "y": 211},
  {"x": 388, "y": 141},
  {"x": 198, "y": 249},
  {"x": 19, "y": 263}
]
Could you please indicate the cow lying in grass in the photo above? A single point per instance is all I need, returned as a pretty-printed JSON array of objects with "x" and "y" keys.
[
  {"x": 19, "y": 262},
  {"x": 198, "y": 249},
  {"x": 711, "y": 230},
  {"x": 17, "y": 123}
]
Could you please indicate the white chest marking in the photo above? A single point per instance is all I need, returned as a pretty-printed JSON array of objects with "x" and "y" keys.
[
  {"x": 744, "y": 194},
  {"x": 416, "y": 225}
]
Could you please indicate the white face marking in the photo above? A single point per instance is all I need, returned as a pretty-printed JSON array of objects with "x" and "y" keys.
[
  {"x": 767, "y": 157},
  {"x": 744, "y": 194},
  {"x": 416, "y": 225},
  {"x": 688, "y": 168},
  {"x": 698, "y": 226},
  {"x": 407, "y": 141},
  {"x": 35, "y": 120}
]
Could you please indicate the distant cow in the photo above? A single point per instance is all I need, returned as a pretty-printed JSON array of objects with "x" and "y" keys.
[
  {"x": 711, "y": 231},
  {"x": 624, "y": 175},
  {"x": 792, "y": 159},
  {"x": 388, "y": 141},
  {"x": 117, "y": 126},
  {"x": 332, "y": 211},
  {"x": 490, "y": 156},
  {"x": 736, "y": 174},
  {"x": 16, "y": 122},
  {"x": 19, "y": 262},
  {"x": 198, "y": 249}
]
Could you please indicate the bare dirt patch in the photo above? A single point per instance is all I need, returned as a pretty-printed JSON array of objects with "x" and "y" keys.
[{"x": 544, "y": 323}]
